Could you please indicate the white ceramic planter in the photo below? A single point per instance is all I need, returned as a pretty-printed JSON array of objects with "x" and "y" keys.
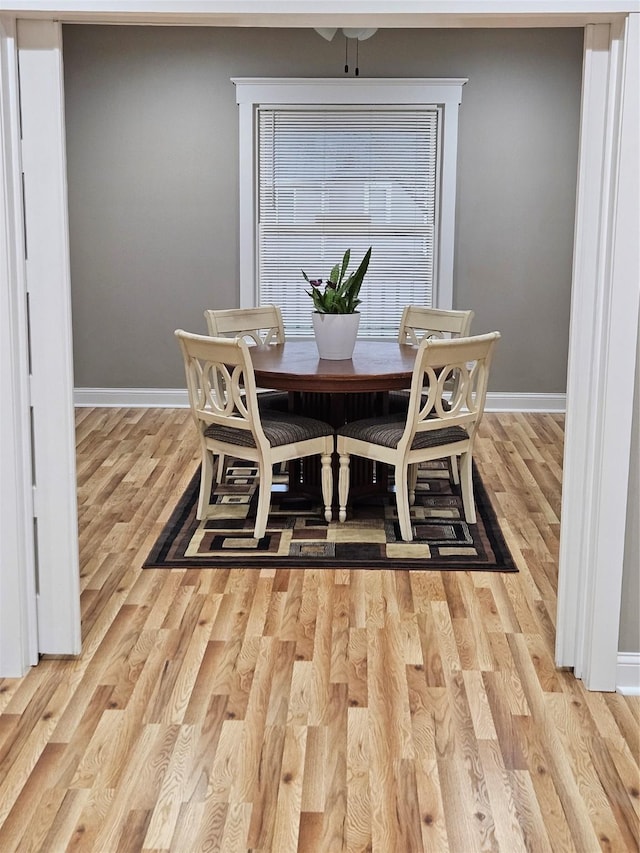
[{"x": 335, "y": 334}]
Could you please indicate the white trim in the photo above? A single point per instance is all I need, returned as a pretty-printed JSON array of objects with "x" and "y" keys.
[
  {"x": 18, "y": 620},
  {"x": 507, "y": 401},
  {"x": 341, "y": 90},
  {"x": 131, "y": 398},
  {"x": 350, "y": 13},
  {"x": 628, "y": 673},
  {"x": 171, "y": 398},
  {"x": 48, "y": 284},
  {"x": 253, "y": 91},
  {"x": 602, "y": 358}
]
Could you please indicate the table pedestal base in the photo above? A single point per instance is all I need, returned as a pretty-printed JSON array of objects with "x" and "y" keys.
[{"x": 366, "y": 476}]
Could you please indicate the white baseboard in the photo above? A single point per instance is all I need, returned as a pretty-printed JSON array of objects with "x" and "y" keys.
[
  {"x": 508, "y": 401},
  {"x": 176, "y": 398},
  {"x": 628, "y": 673},
  {"x": 131, "y": 398}
]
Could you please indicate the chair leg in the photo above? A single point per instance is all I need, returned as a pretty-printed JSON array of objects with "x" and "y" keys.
[
  {"x": 467, "y": 488},
  {"x": 327, "y": 484},
  {"x": 220, "y": 468},
  {"x": 413, "y": 479},
  {"x": 206, "y": 479},
  {"x": 343, "y": 485},
  {"x": 264, "y": 500},
  {"x": 454, "y": 469},
  {"x": 402, "y": 502}
]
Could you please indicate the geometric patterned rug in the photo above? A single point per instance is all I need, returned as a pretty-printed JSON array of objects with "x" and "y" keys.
[{"x": 298, "y": 536}]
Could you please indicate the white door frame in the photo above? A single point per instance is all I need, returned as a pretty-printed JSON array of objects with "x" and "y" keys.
[
  {"x": 602, "y": 362},
  {"x": 18, "y": 632},
  {"x": 40, "y": 570},
  {"x": 602, "y": 340},
  {"x": 48, "y": 286}
]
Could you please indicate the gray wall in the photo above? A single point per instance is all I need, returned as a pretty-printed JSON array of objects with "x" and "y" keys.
[
  {"x": 629, "y": 639},
  {"x": 153, "y": 174}
]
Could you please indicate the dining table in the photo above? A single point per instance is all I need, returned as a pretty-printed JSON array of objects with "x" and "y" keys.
[{"x": 336, "y": 391}]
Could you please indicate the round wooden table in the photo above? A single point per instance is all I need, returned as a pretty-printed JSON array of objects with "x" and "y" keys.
[
  {"x": 336, "y": 392},
  {"x": 296, "y": 366}
]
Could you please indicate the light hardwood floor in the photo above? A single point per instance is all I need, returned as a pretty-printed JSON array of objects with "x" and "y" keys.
[{"x": 317, "y": 711}]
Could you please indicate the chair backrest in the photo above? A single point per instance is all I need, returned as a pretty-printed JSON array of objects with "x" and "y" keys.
[
  {"x": 258, "y": 325},
  {"x": 469, "y": 360},
  {"x": 221, "y": 383},
  {"x": 419, "y": 323}
]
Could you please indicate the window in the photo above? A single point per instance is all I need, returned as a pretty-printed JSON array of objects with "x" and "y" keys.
[{"x": 327, "y": 165}]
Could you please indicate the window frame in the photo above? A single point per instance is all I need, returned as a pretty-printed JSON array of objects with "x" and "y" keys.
[{"x": 252, "y": 92}]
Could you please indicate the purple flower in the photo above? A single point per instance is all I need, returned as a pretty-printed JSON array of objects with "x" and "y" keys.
[{"x": 315, "y": 282}]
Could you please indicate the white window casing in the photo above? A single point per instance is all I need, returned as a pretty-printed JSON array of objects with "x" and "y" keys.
[{"x": 304, "y": 199}]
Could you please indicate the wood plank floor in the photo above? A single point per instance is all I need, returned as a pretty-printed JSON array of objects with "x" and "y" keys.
[{"x": 316, "y": 711}]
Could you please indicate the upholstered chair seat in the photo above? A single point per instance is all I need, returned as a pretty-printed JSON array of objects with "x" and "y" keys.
[
  {"x": 278, "y": 428},
  {"x": 388, "y": 430}
]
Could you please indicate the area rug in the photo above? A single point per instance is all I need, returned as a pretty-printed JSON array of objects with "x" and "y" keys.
[{"x": 298, "y": 536}]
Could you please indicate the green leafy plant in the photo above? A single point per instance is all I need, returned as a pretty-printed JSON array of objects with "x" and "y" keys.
[{"x": 340, "y": 293}]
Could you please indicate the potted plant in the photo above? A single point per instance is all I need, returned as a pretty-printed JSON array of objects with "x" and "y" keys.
[{"x": 335, "y": 319}]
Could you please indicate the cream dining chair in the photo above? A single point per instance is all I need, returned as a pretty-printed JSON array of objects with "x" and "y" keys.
[
  {"x": 428, "y": 430},
  {"x": 418, "y": 323},
  {"x": 261, "y": 325},
  {"x": 224, "y": 406}
]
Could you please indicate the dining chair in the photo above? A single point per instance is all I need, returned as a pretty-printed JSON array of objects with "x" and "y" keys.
[
  {"x": 418, "y": 323},
  {"x": 224, "y": 406},
  {"x": 261, "y": 325},
  {"x": 428, "y": 430}
]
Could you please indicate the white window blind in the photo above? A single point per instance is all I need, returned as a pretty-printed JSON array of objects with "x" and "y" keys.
[{"x": 348, "y": 177}]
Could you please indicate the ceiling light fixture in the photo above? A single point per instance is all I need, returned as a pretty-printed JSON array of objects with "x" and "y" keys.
[
  {"x": 358, "y": 34},
  {"x": 350, "y": 32}
]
